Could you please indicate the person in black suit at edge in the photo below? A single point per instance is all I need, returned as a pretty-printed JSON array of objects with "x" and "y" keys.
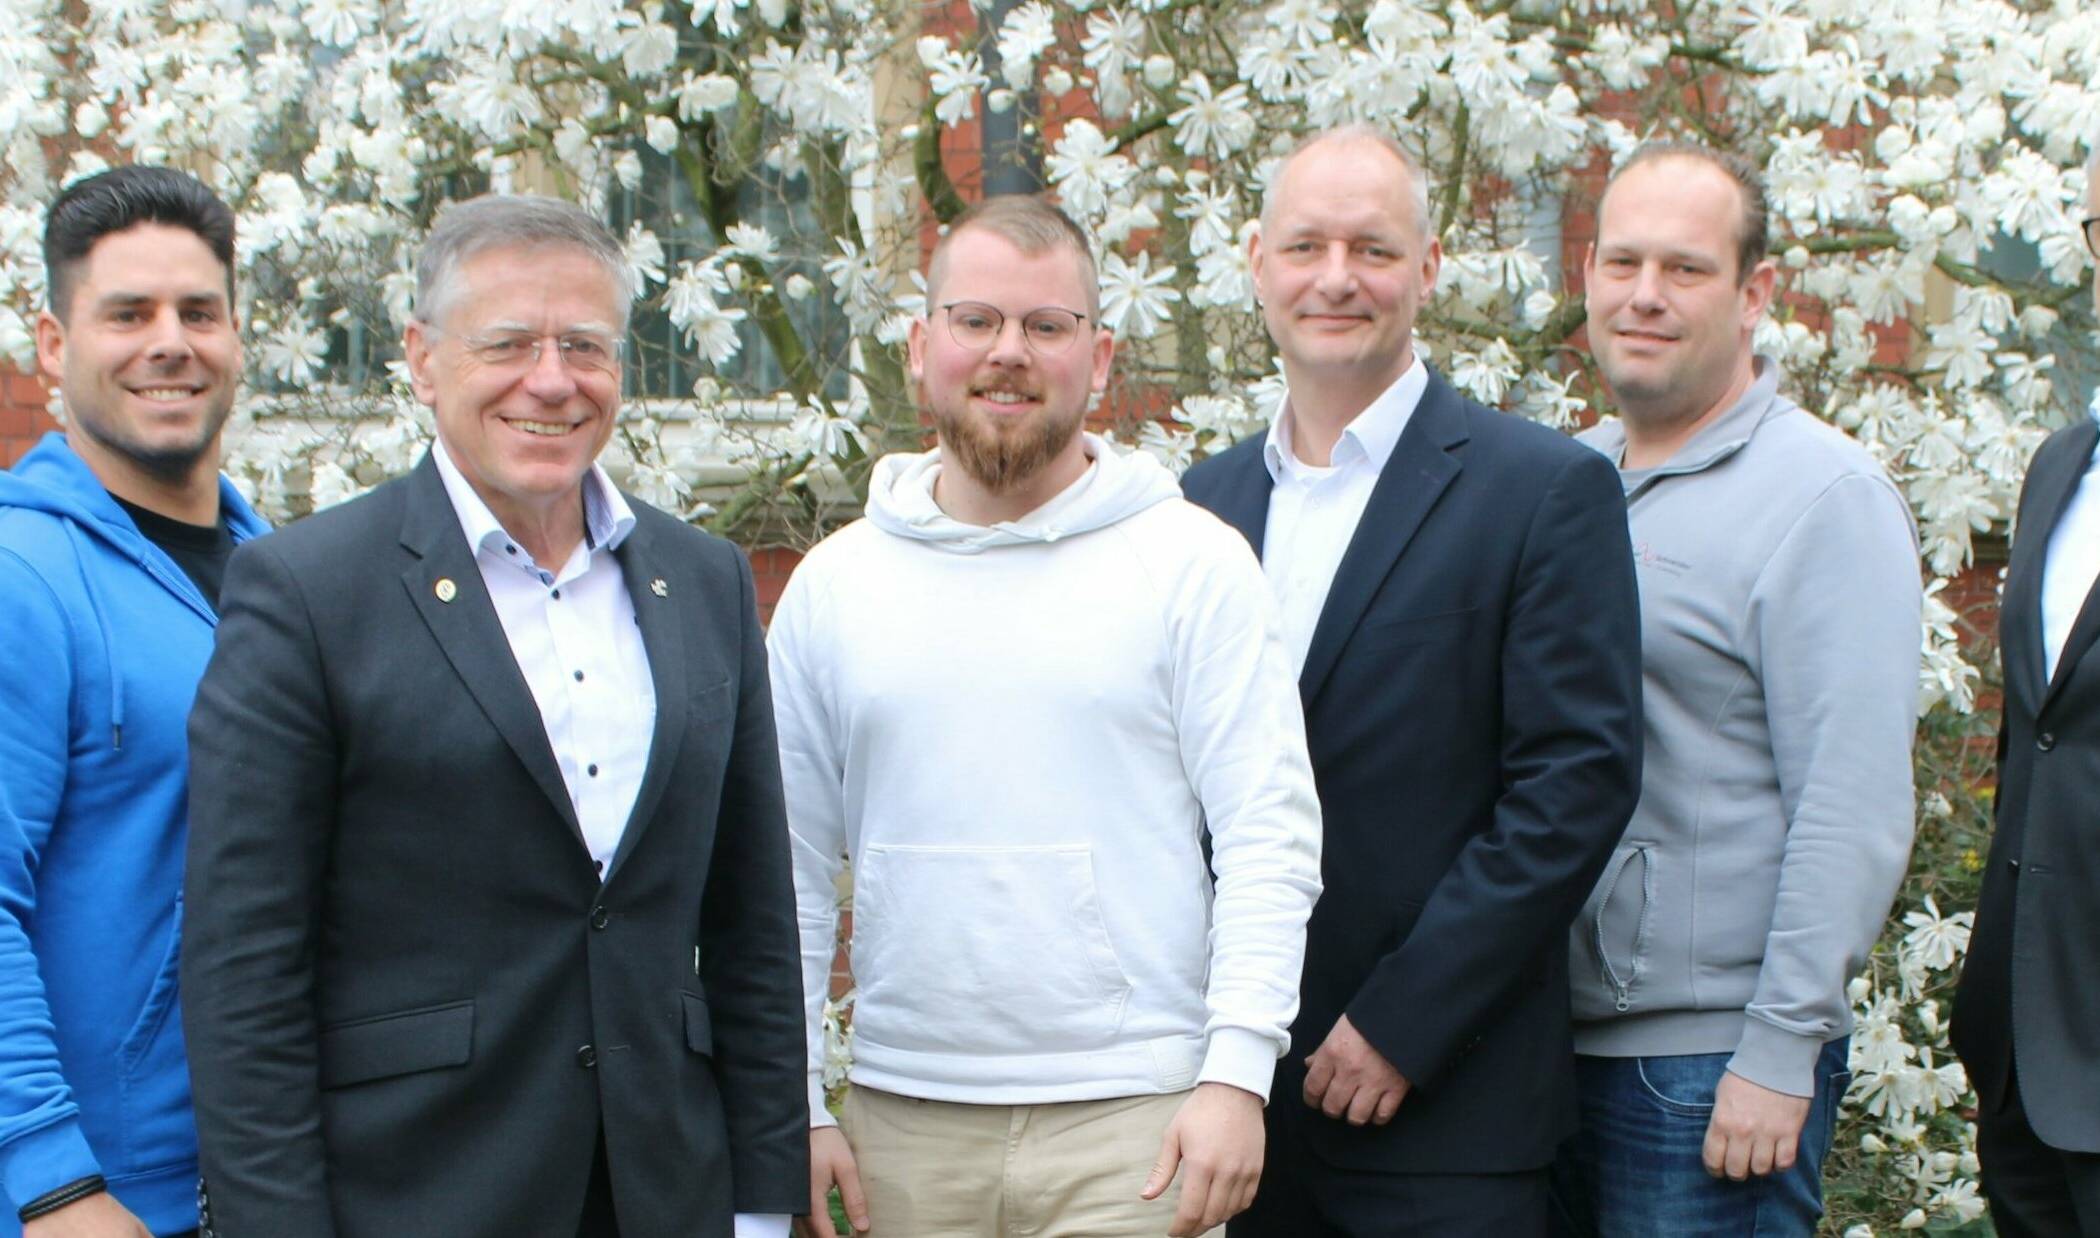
[
  {"x": 1458, "y": 586},
  {"x": 2027, "y": 1012},
  {"x": 491, "y": 928}
]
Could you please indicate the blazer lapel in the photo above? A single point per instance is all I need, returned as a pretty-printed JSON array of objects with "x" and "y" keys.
[
  {"x": 2020, "y": 618},
  {"x": 467, "y": 629},
  {"x": 2083, "y": 633},
  {"x": 658, "y": 614},
  {"x": 1243, "y": 500},
  {"x": 1420, "y": 468}
]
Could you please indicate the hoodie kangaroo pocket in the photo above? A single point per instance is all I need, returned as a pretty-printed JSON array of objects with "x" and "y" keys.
[{"x": 983, "y": 950}]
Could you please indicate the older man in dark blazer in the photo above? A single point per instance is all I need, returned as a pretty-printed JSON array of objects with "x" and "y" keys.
[
  {"x": 2027, "y": 1014},
  {"x": 1459, "y": 588},
  {"x": 491, "y": 932}
]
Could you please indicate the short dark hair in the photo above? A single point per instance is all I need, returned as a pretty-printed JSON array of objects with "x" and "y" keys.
[
  {"x": 121, "y": 199},
  {"x": 1754, "y": 236}
]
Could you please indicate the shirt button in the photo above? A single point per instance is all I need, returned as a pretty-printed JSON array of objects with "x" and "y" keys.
[
  {"x": 592, "y": 770},
  {"x": 600, "y": 866},
  {"x": 557, "y": 595},
  {"x": 579, "y": 677},
  {"x": 587, "y": 1057},
  {"x": 600, "y": 917},
  {"x": 510, "y": 550}
]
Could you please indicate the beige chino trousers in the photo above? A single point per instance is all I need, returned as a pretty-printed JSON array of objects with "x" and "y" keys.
[{"x": 933, "y": 1169}]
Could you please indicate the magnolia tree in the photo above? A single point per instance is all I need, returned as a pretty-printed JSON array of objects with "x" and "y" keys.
[{"x": 775, "y": 167}]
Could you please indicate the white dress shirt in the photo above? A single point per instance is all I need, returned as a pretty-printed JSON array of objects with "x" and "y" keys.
[
  {"x": 574, "y": 636},
  {"x": 1313, "y": 512},
  {"x": 2072, "y": 565}
]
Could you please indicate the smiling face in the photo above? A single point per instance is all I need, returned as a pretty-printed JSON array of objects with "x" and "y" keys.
[
  {"x": 1342, "y": 264},
  {"x": 523, "y": 432},
  {"x": 1670, "y": 317},
  {"x": 147, "y": 356},
  {"x": 1006, "y": 411}
]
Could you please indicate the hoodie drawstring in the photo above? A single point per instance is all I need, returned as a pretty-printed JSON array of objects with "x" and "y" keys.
[{"x": 109, "y": 640}]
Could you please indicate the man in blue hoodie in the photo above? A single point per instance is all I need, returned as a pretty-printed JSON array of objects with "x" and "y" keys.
[{"x": 113, "y": 538}]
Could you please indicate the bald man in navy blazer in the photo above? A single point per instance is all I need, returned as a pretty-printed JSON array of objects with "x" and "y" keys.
[{"x": 1459, "y": 586}]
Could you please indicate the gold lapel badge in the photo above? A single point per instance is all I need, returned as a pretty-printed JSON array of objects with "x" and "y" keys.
[
  {"x": 445, "y": 589},
  {"x": 659, "y": 588}
]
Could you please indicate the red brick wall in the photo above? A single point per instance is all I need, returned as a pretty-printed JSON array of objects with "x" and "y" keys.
[
  {"x": 22, "y": 416},
  {"x": 770, "y": 568}
]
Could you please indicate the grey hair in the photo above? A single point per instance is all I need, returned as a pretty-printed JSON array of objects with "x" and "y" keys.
[
  {"x": 508, "y": 221},
  {"x": 1359, "y": 131}
]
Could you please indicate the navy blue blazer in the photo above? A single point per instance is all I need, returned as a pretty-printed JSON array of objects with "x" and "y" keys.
[
  {"x": 1472, "y": 702},
  {"x": 2030, "y": 987}
]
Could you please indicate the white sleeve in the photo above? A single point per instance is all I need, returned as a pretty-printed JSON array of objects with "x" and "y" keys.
[
  {"x": 1242, "y": 736},
  {"x": 813, "y": 779}
]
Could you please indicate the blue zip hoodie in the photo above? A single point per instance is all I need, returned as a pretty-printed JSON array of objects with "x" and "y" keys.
[{"x": 102, "y": 641}]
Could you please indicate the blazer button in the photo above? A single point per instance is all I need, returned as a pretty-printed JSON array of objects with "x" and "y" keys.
[
  {"x": 600, "y": 918},
  {"x": 587, "y": 1057},
  {"x": 2045, "y": 741}
]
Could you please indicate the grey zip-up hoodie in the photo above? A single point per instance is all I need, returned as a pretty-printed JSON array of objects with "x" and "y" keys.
[{"x": 1781, "y": 621}]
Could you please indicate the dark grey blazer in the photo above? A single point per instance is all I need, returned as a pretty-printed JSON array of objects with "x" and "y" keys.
[
  {"x": 2030, "y": 989},
  {"x": 410, "y": 1004}
]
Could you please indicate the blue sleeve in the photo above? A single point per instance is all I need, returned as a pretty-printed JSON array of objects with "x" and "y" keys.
[{"x": 41, "y": 1144}]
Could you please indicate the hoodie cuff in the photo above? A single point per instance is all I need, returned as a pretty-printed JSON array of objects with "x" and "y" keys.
[
  {"x": 45, "y": 1159},
  {"x": 819, "y": 1112},
  {"x": 1776, "y": 1059},
  {"x": 1244, "y": 1059}
]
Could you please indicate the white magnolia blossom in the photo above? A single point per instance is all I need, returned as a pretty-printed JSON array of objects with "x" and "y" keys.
[
  {"x": 1135, "y": 299},
  {"x": 770, "y": 169}
]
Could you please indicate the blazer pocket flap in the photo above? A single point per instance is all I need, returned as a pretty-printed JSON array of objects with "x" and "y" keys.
[
  {"x": 1414, "y": 629},
  {"x": 397, "y": 1044},
  {"x": 714, "y": 700},
  {"x": 699, "y": 1030}
]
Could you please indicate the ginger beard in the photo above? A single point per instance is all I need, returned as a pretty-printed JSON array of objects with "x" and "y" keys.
[{"x": 1001, "y": 454}]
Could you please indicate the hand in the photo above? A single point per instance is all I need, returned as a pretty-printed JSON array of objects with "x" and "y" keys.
[
  {"x": 1754, "y": 1130},
  {"x": 97, "y": 1216},
  {"x": 1217, "y": 1134},
  {"x": 1345, "y": 1076},
  {"x": 830, "y": 1160}
]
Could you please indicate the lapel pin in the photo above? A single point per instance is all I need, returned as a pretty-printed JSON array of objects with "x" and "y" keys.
[
  {"x": 445, "y": 589},
  {"x": 659, "y": 588}
]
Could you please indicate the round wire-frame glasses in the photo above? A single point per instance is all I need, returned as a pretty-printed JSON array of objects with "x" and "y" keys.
[{"x": 1048, "y": 329}]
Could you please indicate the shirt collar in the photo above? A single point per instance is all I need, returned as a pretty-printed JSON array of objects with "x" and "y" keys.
[
  {"x": 607, "y": 519},
  {"x": 1370, "y": 436}
]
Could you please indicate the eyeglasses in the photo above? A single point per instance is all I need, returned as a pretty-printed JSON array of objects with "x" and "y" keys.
[
  {"x": 2091, "y": 228},
  {"x": 1048, "y": 330},
  {"x": 583, "y": 352}
]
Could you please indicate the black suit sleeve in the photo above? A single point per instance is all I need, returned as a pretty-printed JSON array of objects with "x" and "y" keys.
[
  {"x": 262, "y": 804},
  {"x": 751, "y": 965},
  {"x": 1570, "y": 761}
]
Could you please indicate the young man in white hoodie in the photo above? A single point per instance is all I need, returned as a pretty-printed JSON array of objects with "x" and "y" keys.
[{"x": 1018, "y": 695}]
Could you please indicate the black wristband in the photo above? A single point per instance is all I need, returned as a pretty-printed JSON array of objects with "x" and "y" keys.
[{"x": 70, "y": 1193}]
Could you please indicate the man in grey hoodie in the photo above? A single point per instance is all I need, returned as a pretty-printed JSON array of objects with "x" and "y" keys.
[{"x": 1780, "y": 610}]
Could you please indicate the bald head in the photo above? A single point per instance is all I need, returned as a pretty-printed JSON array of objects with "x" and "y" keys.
[{"x": 1376, "y": 144}]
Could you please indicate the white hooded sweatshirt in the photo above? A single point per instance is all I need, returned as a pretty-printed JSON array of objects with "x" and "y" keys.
[{"x": 1018, "y": 733}]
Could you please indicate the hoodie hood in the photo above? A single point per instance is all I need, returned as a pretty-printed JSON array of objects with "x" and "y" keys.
[
  {"x": 1115, "y": 486},
  {"x": 54, "y": 480}
]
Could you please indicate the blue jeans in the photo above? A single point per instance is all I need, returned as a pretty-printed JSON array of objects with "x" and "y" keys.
[{"x": 1634, "y": 1168}]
